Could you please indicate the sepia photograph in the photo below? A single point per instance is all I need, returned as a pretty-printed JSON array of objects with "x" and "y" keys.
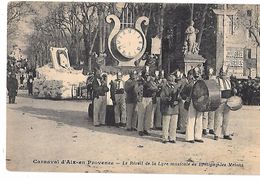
[{"x": 133, "y": 87}]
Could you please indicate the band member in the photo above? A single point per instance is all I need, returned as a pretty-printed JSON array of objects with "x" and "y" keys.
[
  {"x": 183, "y": 113},
  {"x": 12, "y": 87},
  {"x": 118, "y": 97},
  {"x": 145, "y": 90},
  {"x": 208, "y": 117},
  {"x": 194, "y": 123},
  {"x": 170, "y": 109},
  {"x": 131, "y": 102},
  {"x": 100, "y": 88},
  {"x": 222, "y": 113},
  {"x": 156, "y": 112}
]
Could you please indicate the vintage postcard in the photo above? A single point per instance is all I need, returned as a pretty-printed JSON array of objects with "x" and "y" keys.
[{"x": 133, "y": 87}]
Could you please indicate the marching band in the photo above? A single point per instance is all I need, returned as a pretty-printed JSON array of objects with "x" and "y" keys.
[{"x": 149, "y": 99}]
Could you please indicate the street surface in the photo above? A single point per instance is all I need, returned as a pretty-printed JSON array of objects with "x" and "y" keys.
[{"x": 54, "y": 135}]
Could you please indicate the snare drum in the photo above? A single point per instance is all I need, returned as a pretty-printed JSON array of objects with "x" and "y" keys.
[{"x": 234, "y": 103}]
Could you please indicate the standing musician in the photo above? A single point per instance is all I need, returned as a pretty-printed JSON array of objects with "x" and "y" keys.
[
  {"x": 100, "y": 88},
  {"x": 208, "y": 117},
  {"x": 118, "y": 97},
  {"x": 183, "y": 113},
  {"x": 170, "y": 109},
  {"x": 156, "y": 112},
  {"x": 222, "y": 113},
  {"x": 145, "y": 91},
  {"x": 131, "y": 101},
  {"x": 194, "y": 123}
]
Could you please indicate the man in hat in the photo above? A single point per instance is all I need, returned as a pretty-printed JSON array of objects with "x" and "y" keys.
[
  {"x": 118, "y": 97},
  {"x": 170, "y": 109},
  {"x": 100, "y": 88},
  {"x": 194, "y": 122},
  {"x": 12, "y": 87},
  {"x": 145, "y": 91},
  {"x": 222, "y": 113},
  {"x": 131, "y": 101}
]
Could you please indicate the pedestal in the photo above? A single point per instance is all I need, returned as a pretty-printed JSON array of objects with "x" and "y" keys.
[{"x": 188, "y": 61}]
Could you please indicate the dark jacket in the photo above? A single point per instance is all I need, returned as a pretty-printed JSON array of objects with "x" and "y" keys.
[
  {"x": 131, "y": 96},
  {"x": 150, "y": 89},
  {"x": 12, "y": 86},
  {"x": 187, "y": 89},
  {"x": 170, "y": 100},
  {"x": 99, "y": 87}
]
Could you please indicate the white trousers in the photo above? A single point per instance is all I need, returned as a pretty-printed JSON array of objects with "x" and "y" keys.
[
  {"x": 120, "y": 108},
  {"x": 208, "y": 120},
  {"x": 144, "y": 110},
  {"x": 99, "y": 110},
  {"x": 194, "y": 124},
  {"x": 183, "y": 117},
  {"x": 131, "y": 115},
  {"x": 156, "y": 114},
  {"x": 221, "y": 119},
  {"x": 169, "y": 127}
]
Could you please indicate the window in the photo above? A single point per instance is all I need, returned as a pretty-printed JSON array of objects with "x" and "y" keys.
[
  {"x": 249, "y": 32},
  {"x": 230, "y": 25},
  {"x": 248, "y": 54},
  {"x": 249, "y": 12}
]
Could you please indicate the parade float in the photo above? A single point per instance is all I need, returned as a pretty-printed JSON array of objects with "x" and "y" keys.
[{"x": 58, "y": 80}]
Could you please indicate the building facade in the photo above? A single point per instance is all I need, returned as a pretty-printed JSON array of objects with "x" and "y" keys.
[{"x": 236, "y": 45}]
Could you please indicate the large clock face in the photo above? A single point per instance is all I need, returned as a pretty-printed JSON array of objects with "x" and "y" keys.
[{"x": 129, "y": 42}]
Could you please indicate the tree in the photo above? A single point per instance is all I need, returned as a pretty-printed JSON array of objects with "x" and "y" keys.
[{"x": 16, "y": 11}]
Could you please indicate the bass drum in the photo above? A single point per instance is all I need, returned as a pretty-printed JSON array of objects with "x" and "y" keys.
[
  {"x": 206, "y": 95},
  {"x": 234, "y": 103}
]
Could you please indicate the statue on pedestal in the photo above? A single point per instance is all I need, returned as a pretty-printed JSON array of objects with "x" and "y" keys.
[{"x": 190, "y": 44}]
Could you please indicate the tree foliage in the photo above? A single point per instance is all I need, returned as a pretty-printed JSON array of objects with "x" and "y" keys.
[{"x": 16, "y": 11}]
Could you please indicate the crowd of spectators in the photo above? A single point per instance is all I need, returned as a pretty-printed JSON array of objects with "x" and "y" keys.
[{"x": 248, "y": 90}]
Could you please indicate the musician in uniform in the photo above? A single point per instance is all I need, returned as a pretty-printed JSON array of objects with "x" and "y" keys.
[
  {"x": 194, "y": 122},
  {"x": 183, "y": 113},
  {"x": 208, "y": 117},
  {"x": 131, "y": 101},
  {"x": 100, "y": 88},
  {"x": 156, "y": 112},
  {"x": 222, "y": 113},
  {"x": 145, "y": 91},
  {"x": 118, "y": 97},
  {"x": 169, "y": 108}
]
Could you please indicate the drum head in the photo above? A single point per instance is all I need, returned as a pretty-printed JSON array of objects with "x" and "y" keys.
[
  {"x": 234, "y": 103},
  {"x": 205, "y": 95},
  {"x": 200, "y": 95}
]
